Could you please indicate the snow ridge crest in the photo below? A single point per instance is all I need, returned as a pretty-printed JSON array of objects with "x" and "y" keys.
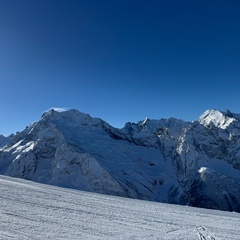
[
  {"x": 218, "y": 118},
  {"x": 166, "y": 160}
]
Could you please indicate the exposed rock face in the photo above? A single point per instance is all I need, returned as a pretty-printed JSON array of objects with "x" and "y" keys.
[
  {"x": 165, "y": 160},
  {"x": 4, "y": 140}
]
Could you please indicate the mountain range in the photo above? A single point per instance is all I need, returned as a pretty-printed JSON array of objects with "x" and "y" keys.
[{"x": 168, "y": 160}]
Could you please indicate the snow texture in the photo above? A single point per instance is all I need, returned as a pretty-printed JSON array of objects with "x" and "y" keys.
[
  {"x": 166, "y": 160},
  {"x": 31, "y": 211}
]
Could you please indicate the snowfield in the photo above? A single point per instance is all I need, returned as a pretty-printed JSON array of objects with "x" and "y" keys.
[{"x": 31, "y": 210}]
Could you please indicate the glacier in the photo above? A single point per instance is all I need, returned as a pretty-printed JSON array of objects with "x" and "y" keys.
[{"x": 168, "y": 160}]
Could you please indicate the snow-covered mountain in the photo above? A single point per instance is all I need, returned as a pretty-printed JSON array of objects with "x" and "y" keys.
[{"x": 166, "y": 160}]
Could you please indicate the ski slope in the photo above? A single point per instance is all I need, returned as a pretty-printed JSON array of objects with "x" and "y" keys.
[{"x": 31, "y": 210}]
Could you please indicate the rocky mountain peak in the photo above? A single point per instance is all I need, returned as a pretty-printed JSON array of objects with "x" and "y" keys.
[{"x": 165, "y": 160}]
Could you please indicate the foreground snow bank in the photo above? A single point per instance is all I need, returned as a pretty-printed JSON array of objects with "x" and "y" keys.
[{"x": 35, "y": 211}]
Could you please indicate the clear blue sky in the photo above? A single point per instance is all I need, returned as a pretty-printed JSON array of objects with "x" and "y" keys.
[{"x": 120, "y": 60}]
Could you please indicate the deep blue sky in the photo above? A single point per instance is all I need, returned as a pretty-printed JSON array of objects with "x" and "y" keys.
[{"x": 120, "y": 60}]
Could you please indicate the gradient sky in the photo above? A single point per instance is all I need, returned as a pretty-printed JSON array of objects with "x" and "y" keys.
[{"x": 120, "y": 60}]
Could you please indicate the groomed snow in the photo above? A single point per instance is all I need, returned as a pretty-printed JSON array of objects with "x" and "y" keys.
[{"x": 35, "y": 211}]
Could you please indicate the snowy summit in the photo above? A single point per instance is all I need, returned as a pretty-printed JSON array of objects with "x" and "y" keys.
[{"x": 167, "y": 160}]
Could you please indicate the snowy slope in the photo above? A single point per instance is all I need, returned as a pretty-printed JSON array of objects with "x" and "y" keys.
[
  {"x": 34, "y": 211},
  {"x": 166, "y": 160},
  {"x": 72, "y": 149}
]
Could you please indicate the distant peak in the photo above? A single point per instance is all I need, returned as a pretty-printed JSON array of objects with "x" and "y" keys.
[
  {"x": 64, "y": 112},
  {"x": 229, "y": 113},
  {"x": 209, "y": 113},
  {"x": 48, "y": 112},
  {"x": 216, "y": 117},
  {"x": 216, "y": 113},
  {"x": 71, "y": 117},
  {"x": 56, "y": 109},
  {"x": 53, "y": 111},
  {"x": 144, "y": 121}
]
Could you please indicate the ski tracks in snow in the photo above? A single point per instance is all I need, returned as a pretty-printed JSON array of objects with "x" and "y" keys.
[
  {"x": 32, "y": 211},
  {"x": 203, "y": 234}
]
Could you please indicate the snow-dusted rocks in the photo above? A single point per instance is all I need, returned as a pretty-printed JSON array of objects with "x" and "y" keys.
[
  {"x": 4, "y": 140},
  {"x": 166, "y": 160},
  {"x": 81, "y": 171}
]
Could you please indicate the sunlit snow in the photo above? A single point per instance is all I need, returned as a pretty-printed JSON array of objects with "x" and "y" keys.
[
  {"x": 31, "y": 210},
  {"x": 202, "y": 169},
  {"x": 216, "y": 117}
]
